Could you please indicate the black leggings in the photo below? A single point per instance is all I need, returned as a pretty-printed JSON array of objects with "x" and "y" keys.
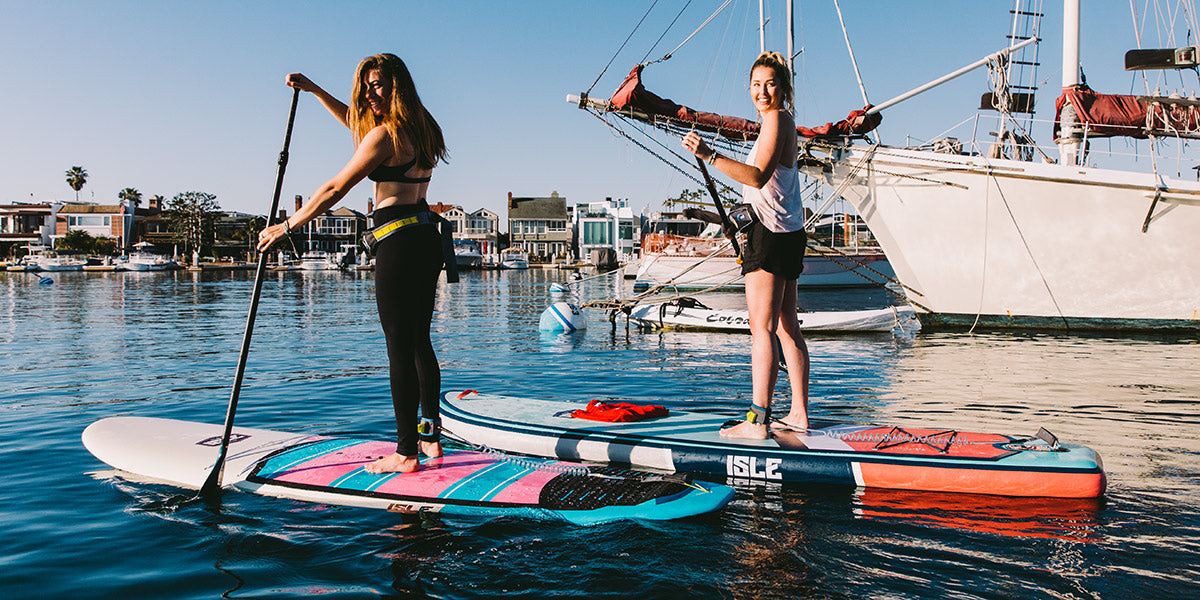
[{"x": 407, "y": 265}]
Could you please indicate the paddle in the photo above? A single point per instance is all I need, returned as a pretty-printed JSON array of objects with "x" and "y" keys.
[
  {"x": 212, "y": 485},
  {"x": 712, "y": 190}
]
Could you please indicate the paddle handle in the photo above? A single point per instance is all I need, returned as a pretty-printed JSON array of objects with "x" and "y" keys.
[
  {"x": 212, "y": 485},
  {"x": 712, "y": 191}
]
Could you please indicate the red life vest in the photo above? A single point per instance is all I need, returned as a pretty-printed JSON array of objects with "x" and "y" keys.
[{"x": 619, "y": 412}]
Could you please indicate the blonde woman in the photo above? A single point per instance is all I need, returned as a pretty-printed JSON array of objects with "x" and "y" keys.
[
  {"x": 397, "y": 145},
  {"x": 774, "y": 252}
]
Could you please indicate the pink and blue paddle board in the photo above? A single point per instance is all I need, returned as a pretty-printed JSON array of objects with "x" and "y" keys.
[{"x": 329, "y": 470}]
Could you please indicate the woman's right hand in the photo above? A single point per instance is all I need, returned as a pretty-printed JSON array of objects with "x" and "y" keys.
[
  {"x": 300, "y": 82},
  {"x": 695, "y": 144}
]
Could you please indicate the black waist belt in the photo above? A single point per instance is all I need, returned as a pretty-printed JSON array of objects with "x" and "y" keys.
[{"x": 372, "y": 238}]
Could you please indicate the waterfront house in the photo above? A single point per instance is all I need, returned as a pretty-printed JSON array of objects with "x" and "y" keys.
[
  {"x": 98, "y": 220},
  {"x": 331, "y": 231},
  {"x": 602, "y": 226},
  {"x": 483, "y": 228},
  {"x": 539, "y": 226},
  {"x": 30, "y": 224},
  {"x": 151, "y": 225},
  {"x": 453, "y": 213},
  {"x": 234, "y": 234}
]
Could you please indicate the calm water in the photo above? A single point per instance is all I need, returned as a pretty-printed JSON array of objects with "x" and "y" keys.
[{"x": 164, "y": 344}]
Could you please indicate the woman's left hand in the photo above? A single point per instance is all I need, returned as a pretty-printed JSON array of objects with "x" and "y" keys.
[{"x": 268, "y": 236}]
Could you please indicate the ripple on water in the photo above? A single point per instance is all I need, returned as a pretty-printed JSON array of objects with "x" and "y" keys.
[{"x": 165, "y": 344}]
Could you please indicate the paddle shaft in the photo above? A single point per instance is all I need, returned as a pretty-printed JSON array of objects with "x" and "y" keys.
[
  {"x": 712, "y": 190},
  {"x": 212, "y": 485}
]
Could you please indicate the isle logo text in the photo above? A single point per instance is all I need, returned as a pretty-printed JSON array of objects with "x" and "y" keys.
[{"x": 753, "y": 467}]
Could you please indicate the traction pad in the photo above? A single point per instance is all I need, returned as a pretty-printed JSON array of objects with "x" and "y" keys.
[{"x": 606, "y": 486}]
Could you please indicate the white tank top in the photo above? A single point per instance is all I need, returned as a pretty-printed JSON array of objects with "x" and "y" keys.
[{"x": 778, "y": 203}]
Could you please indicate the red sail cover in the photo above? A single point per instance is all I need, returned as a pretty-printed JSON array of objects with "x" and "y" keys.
[
  {"x": 632, "y": 95},
  {"x": 1103, "y": 114}
]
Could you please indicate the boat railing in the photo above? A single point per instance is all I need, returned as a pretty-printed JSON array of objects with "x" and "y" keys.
[{"x": 983, "y": 135}]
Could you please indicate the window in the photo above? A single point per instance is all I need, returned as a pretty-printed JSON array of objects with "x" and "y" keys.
[
  {"x": 595, "y": 233},
  {"x": 89, "y": 221}
]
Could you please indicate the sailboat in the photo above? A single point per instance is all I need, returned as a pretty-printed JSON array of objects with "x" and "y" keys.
[
  {"x": 1011, "y": 236},
  {"x": 1015, "y": 238}
]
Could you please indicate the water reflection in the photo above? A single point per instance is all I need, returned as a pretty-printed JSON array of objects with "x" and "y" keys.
[{"x": 1068, "y": 519}]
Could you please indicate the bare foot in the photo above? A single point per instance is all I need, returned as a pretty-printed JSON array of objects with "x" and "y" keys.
[
  {"x": 746, "y": 430},
  {"x": 430, "y": 449},
  {"x": 793, "y": 422},
  {"x": 395, "y": 463}
]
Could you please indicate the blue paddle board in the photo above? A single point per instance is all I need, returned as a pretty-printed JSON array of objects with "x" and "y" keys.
[{"x": 925, "y": 459}]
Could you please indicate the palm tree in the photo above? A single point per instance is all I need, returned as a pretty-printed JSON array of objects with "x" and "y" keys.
[
  {"x": 76, "y": 177},
  {"x": 131, "y": 195}
]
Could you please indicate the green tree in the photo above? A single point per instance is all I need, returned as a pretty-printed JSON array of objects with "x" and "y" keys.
[
  {"x": 701, "y": 197},
  {"x": 77, "y": 241},
  {"x": 76, "y": 177},
  {"x": 82, "y": 241},
  {"x": 193, "y": 215}
]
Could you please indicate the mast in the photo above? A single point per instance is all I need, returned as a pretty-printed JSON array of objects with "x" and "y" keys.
[
  {"x": 791, "y": 41},
  {"x": 1070, "y": 43},
  {"x": 1071, "y": 134},
  {"x": 762, "y": 28}
]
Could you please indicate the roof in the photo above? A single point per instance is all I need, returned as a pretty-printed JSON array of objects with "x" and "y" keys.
[
  {"x": 345, "y": 212},
  {"x": 441, "y": 207},
  {"x": 537, "y": 208},
  {"x": 108, "y": 209}
]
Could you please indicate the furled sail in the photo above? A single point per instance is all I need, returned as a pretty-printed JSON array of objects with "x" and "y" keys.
[
  {"x": 634, "y": 100},
  {"x": 1126, "y": 115}
]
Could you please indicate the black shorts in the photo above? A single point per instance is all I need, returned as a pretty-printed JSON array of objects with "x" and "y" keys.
[{"x": 779, "y": 253}]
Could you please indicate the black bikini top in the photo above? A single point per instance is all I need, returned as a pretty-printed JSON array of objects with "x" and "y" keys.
[{"x": 396, "y": 174}]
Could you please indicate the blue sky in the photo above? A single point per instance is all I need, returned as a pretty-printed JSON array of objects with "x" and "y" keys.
[{"x": 171, "y": 97}]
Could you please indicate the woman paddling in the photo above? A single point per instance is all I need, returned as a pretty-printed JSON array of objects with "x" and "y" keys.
[
  {"x": 774, "y": 252},
  {"x": 397, "y": 145}
]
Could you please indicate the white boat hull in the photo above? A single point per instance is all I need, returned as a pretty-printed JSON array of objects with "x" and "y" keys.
[
  {"x": 1022, "y": 244},
  {"x": 670, "y": 316},
  {"x": 692, "y": 273}
]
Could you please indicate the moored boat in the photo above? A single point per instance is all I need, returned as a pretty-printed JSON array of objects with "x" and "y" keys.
[
  {"x": 319, "y": 260},
  {"x": 689, "y": 314},
  {"x": 514, "y": 258},
  {"x": 692, "y": 263},
  {"x": 467, "y": 254}
]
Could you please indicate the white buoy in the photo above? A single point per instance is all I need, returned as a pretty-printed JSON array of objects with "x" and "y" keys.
[
  {"x": 559, "y": 288},
  {"x": 562, "y": 316}
]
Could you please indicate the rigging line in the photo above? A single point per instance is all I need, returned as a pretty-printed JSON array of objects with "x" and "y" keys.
[
  {"x": 643, "y": 147},
  {"x": 670, "y": 282},
  {"x": 825, "y": 251},
  {"x": 862, "y": 88},
  {"x": 618, "y": 52},
  {"x": 702, "y": 26},
  {"x": 664, "y": 34},
  {"x": 1028, "y": 250},
  {"x": 987, "y": 198}
]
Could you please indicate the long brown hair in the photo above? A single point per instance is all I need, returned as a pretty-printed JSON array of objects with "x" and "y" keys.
[
  {"x": 783, "y": 76},
  {"x": 404, "y": 112}
]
